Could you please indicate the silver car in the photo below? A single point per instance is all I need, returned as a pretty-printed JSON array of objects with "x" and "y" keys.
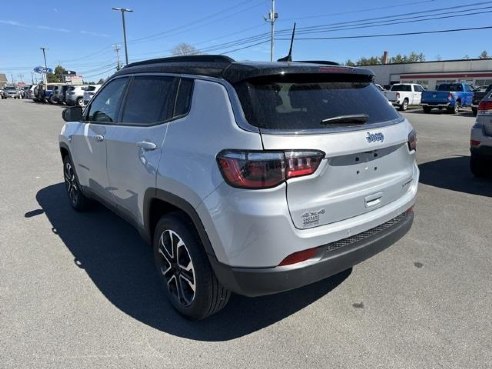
[
  {"x": 481, "y": 139},
  {"x": 74, "y": 95},
  {"x": 253, "y": 178}
]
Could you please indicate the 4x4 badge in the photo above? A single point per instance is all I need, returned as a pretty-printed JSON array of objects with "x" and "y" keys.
[{"x": 374, "y": 137}]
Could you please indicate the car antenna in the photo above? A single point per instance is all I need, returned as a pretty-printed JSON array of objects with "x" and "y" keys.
[{"x": 288, "y": 58}]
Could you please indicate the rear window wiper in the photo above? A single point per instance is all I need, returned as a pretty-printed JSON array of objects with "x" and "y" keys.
[{"x": 355, "y": 118}]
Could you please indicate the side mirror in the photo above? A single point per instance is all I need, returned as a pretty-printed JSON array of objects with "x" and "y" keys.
[{"x": 72, "y": 114}]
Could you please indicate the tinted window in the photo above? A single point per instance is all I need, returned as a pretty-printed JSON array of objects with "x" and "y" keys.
[
  {"x": 401, "y": 88},
  {"x": 149, "y": 100},
  {"x": 183, "y": 100},
  {"x": 104, "y": 108},
  {"x": 298, "y": 105}
]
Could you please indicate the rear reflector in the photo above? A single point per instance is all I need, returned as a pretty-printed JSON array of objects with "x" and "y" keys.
[
  {"x": 298, "y": 257},
  {"x": 474, "y": 143},
  {"x": 266, "y": 169}
]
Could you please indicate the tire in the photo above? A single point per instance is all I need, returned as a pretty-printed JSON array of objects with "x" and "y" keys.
[
  {"x": 478, "y": 166},
  {"x": 184, "y": 270},
  {"x": 404, "y": 105},
  {"x": 474, "y": 111},
  {"x": 455, "y": 109},
  {"x": 52, "y": 100},
  {"x": 427, "y": 109},
  {"x": 79, "y": 102},
  {"x": 77, "y": 199}
]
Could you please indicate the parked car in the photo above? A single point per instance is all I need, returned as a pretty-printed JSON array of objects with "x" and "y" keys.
[
  {"x": 246, "y": 177},
  {"x": 89, "y": 92},
  {"x": 48, "y": 93},
  {"x": 481, "y": 139},
  {"x": 450, "y": 96},
  {"x": 478, "y": 95},
  {"x": 404, "y": 94},
  {"x": 75, "y": 95},
  {"x": 58, "y": 96},
  {"x": 11, "y": 92}
]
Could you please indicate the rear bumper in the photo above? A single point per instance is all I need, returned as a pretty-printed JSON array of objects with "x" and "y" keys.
[
  {"x": 482, "y": 151},
  {"x": 330, "y": 259},
  {"x": 438, "y": 105}
]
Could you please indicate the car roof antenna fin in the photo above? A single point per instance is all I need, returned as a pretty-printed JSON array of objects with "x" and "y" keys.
[{"x": 288, "y": 58}]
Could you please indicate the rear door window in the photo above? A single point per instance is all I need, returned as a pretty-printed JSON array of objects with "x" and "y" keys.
[
  {"x": 150, "y": 100},
  {"x": 304, "y": 103}
]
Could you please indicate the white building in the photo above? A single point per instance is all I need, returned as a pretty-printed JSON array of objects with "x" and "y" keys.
[{"x": 477, "y": 72}]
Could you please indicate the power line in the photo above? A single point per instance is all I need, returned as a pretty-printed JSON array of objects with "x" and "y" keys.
[
  {"x": 393, "y": 34},
  {"x": 197, "y": 23}
]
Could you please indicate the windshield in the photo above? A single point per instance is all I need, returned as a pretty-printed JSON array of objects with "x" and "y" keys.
[{"x": 297, "y": 104}]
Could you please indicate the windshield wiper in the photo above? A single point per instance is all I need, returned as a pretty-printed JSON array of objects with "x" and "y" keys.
[{"x": 355, "y": 118}]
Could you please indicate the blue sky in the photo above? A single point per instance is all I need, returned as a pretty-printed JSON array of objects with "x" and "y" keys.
[{"x": 80, "y": 35}]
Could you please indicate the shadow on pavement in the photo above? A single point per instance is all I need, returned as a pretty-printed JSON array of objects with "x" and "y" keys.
[
  {"x": 120, "y": 264},
  {"x": 454, "y": 174}
]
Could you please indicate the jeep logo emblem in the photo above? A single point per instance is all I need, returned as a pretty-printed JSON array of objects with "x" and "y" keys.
[{"x": 374, "y": 137}]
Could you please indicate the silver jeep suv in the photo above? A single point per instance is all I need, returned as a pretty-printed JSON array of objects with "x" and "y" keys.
[
  {"x": 481, "y": 139},
  {"x": 251, "y": 178}
]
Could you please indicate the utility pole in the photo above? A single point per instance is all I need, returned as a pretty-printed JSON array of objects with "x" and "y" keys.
[
  {"x": 45, "y": 77},
  {"x": 123, "y": 10},
  {"x": 117, "y": 50},
  {"x": 12, "y": 78},
  {"x": 272, "y": 17}
]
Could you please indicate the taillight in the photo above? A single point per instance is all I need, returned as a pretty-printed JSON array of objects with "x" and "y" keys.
[
  {"x": 266, "y": 169},
  {"x": 474, "y": 143},
  {"x": 412, "y": 140},
  {"x": 485, "y": 105}
]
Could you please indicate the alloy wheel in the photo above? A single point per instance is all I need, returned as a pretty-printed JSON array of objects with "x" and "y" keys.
[
  {"x": 71, "y": 183},
  {"x": 176, "y": 267}
]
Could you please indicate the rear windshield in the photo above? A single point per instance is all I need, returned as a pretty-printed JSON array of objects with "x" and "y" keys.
[
  {"x": 91, "y": 88},
  {"x": 401, "y": 88},
  {"x": 450, "y": 87},
  {"x": 308, "y": 102}
]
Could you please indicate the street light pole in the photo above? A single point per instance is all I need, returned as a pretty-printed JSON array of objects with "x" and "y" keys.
[
  {"x": 45, "y": 77},
  {"x": 123, "y": 10},
  {"x": 272, "y": 17}
]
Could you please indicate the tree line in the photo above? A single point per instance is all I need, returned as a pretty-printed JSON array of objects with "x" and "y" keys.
[{"x": 413, "y": 57}]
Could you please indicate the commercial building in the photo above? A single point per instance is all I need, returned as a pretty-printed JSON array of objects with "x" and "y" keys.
[
  {"x": 477, "y": 72},
  {"x": 3, "y": 80}
]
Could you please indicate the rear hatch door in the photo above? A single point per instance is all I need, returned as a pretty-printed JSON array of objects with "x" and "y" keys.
[{"x": 367, "y": 163}]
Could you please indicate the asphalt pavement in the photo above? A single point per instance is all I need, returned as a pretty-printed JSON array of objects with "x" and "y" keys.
[{"x": 79, "y": 290}]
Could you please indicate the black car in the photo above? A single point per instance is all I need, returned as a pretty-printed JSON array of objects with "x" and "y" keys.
[{"x": 477, "y": 97}]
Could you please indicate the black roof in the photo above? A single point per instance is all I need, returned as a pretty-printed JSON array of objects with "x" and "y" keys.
[{"x": 221, "y": 66}]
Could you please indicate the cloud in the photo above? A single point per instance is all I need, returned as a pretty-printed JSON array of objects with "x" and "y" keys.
[
  {"x": 64, "y": 30},
  {"x": 13, "y": 23},
  {"x": 41, "y": 27},
  {"x": 96, "y": 34}
]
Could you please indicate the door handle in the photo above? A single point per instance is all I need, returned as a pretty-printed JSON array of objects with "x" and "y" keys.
[
  {"x": 99, "y": 138},
  {"x": 147, "y": 145}
]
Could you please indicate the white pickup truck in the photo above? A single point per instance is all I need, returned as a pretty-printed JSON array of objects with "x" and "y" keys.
[{"x": 404, "y": 94}]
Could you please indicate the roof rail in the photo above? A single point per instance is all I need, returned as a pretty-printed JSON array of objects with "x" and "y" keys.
[
  {"x": 186, "y": 59},
  {"x": 325, "y": 62}
]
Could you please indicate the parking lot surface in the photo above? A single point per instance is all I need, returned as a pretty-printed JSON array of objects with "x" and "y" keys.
[{"x": 79, "y": 290}]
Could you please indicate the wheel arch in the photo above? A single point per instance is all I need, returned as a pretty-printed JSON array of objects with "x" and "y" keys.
[{"x": 158, "y": 202}]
